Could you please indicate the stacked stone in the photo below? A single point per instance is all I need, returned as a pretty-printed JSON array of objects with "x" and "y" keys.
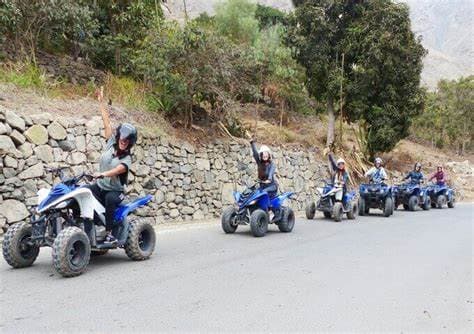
[{"x": 187, "y": 182}]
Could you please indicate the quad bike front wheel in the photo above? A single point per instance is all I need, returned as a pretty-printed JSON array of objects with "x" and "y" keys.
[
  {"x": 310, "y": 209},
  {"x": 288, "y": 220},
  {"x": 451, "y": 203},
  {"x": 227, "y": 220},
  {"x": 362, "y": 206},
  {"x": 440, "y": 201},
  {"x": 259, "y": 223},
  {"x": 17, "y": 250},
  {"x": 353, "y": 210},
  {"x": 388, "y": 207},
  {"x": 71, "y": 252},
  {"x": 141, "y": 241},
  {"x": 427, "y": 204},
  {"x": 413, "y": 202},
  {"x": 337, "y": 211}
]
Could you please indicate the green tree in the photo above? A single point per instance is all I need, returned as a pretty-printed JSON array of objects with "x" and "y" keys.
[
  {"x": 236, "y": 19},
  {"x": 447, "y": 119},
  {"x": 381, "y": 68},
  {"x": 383, "y": 85}
]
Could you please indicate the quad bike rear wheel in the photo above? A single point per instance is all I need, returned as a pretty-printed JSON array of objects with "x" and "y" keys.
[
  {"x": 353, "y": 210},
  {"x": 440, "y": 201},
  {"x": 227, "y": 220},
  {"x": 427, "y": 204},
  {"x": 337, "y": 211},
  {"x": 71, "y": 252},
  {"x": 310, "y": 209},
  {"x": 362, "y": 206},
  {"x": 288, "y": 220},
  {"x": 16, "y": 248},
  {"x": 413, "y": 202},
  {"x": 388, "y": 207},
  {"x": 141, "y": 240},
  {"x": 259, "y": 223}
]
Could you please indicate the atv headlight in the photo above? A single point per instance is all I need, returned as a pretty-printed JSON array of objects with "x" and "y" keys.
[
  {"x": 253, "y": 202},
  {"x": 421, "y": 193}
]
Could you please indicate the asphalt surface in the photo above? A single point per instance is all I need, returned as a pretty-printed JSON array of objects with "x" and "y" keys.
[{"x": 410, "y": 272}]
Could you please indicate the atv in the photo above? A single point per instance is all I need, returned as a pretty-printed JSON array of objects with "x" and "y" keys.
[
  {"x": 255, "y": 207},
  {"x": 71, "y": 220},
  {"x": 376, "y": 196},
  {"x": 329, "y": 206},
  {"x": 411, "y": 196},
  {"x": 441, "y": 195}
]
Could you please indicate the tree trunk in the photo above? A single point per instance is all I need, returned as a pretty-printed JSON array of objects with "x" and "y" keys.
[{"x": 331, "y": 122}]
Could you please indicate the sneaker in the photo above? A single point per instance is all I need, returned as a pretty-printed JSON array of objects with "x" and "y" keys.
[{"x": 110, "y": 238}]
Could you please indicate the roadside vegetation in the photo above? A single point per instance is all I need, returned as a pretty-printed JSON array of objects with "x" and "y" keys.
[{"x": 353, "y": 70}]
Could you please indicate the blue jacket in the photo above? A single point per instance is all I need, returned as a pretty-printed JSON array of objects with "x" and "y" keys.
[{"x": 415, "y": 177}]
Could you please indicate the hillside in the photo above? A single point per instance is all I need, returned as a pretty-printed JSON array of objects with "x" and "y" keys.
[{"x": 445, "y": 25}]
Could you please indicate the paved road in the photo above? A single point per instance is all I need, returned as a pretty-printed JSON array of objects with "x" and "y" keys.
[{"x": 411, "y": 272}]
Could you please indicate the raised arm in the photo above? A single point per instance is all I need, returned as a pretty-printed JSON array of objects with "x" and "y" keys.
[
  {"x": 254, "y": 151},
  {"x": 105, "y": 114},
  {"x": 332, "y": 162}
]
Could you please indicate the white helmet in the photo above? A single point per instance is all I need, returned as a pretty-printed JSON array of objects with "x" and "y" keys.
[
  {"x": 340, "y": 161},
  {"x": 378, "y": 160},
  {"x": 265, "y": 148}
]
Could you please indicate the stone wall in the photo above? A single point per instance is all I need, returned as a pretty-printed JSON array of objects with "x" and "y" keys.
[{"x": 187, "y": 182}]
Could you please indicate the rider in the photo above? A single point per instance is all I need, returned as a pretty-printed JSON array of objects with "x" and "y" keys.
[
  {"x": 439, "y": 175},
  {"x": 377, "y": 173},
  {"x": 415, "y": 176},
  {"x": 266, "y": 168},
  {"x": 114, "y": 165},
  {"x": 340, "y": 177}
]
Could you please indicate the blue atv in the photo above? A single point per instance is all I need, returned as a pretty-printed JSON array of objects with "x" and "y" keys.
[
  {"x": 411, "y": 196},
  {"x": 253, "y": 207},
  {"x": 441, "y": 195},
  {"x": 329, "y": 206},
  {"x": 70, "y": 220},
  {"x": 376, "y": 196}
]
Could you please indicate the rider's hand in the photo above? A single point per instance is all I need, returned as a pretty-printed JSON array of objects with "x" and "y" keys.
[
  {"x": 98, "y": 175},
  {"x": 326, "y": 151}
]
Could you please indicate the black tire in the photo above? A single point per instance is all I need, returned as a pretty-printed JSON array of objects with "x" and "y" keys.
[
  {"x": 327, "y": 214},
  {"x": 393, "y": 207},
  {"x": 413, "y": 202},
  {"x": 451, "y": 203},
  {"x": 354, "y": 209},
  {"x": 99, "y": 252},
  {"x": 226, "y": 220},
  {"x": 310, "y": 209},
  {"x": 15, "y": 250},
  {"x": 259, "y": 223},
  {"x": 141, "y": 241},
  {"x": 388, "y": 207},
  {"x": 288, "y": 220},
  {"x": 440, "y": 201},
  {"x": 406, "y": 207},
  {"x": 362, "y": 206},
  {"x": 71, "y": 252},
  {"x": 337, "y": 211},
  {"x": 427, "y": 204}
]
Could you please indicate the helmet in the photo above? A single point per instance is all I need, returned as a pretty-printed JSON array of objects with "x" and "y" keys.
[
  {"x": 340, "y": 161},
  {"x": 265, "y": 148},
  {"x": 126, "y": 131},
  {"x": 378, "y": 161}
]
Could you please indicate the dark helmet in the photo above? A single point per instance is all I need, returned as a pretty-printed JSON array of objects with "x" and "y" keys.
[{"x": 126, "y": 131}]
